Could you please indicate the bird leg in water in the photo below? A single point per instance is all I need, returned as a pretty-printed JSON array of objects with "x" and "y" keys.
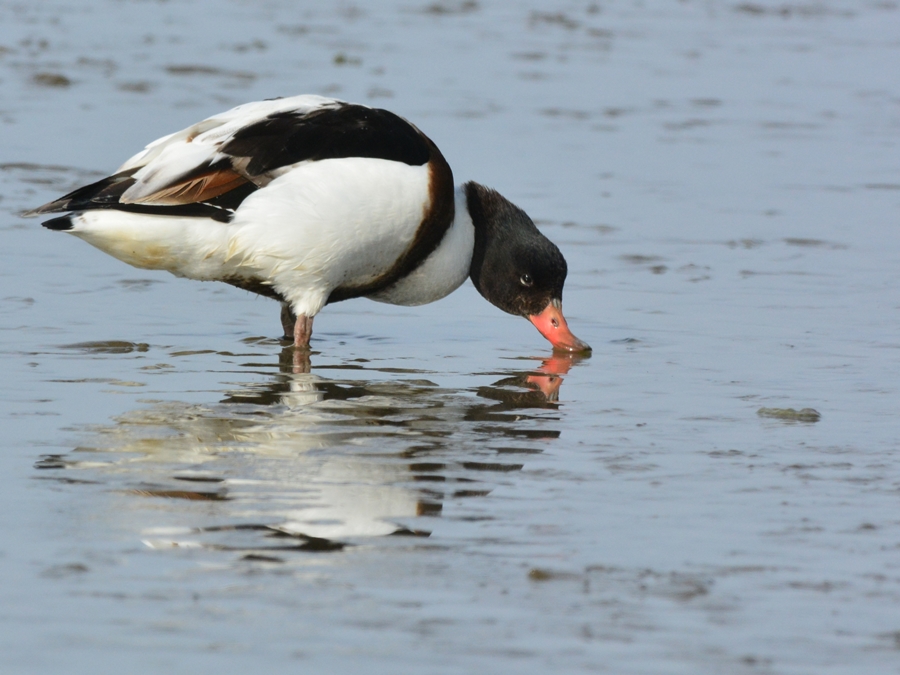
[
  {"x": 298, "y": 329},
  {"x": 303, "y": 332},
  {"x": 288, "y": 321}
]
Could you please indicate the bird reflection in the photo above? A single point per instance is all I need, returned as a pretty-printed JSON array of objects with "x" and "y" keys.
[
  {"x": 541, "y": 386},
  {"x": 325, "y": 454}
]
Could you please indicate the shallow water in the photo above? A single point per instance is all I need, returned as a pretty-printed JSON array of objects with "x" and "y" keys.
[{"x": 440, "y": 493}]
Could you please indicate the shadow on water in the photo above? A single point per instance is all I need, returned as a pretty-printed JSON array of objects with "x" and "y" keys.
[{"x": 314, "y": 461}]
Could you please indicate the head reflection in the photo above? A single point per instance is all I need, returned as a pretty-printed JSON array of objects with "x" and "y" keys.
[
  {"x": 535, "y": 389},
  {"x": 549, "y": 375}
]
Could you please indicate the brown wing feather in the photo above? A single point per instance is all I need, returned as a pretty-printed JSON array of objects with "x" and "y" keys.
[{"x": 196, "y": 188}]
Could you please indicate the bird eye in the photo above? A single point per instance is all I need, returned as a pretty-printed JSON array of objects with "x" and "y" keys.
[{"x": 526, "y": 280}]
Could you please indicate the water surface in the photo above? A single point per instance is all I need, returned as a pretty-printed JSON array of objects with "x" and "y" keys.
[{"x": 440, "y": 493}]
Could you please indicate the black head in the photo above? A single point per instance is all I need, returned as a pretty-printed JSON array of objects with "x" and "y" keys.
[{"x": 515, "y": 267}]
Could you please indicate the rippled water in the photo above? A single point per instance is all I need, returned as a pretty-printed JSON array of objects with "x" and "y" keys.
[{"x": 715, "y": 490}]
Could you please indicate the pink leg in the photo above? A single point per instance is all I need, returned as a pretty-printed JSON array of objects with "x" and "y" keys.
[{"x": 303, "y": 332}]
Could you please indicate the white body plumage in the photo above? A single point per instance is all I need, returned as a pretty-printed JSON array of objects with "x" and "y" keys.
[
  {"x": 311, "y": 227},
  {"x": 301, "y": 234}
]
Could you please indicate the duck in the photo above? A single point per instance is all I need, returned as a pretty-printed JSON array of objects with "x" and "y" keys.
[{"x": 310, "y": 201}]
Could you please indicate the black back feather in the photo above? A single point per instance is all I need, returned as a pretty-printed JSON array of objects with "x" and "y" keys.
[{"x": 349, "y": 130}]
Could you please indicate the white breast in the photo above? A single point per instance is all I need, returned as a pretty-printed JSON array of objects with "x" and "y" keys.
[{"x": 444, "y": 270}]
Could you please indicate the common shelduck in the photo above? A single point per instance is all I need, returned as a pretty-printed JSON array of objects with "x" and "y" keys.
[{"x": 311, "y": 200}]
